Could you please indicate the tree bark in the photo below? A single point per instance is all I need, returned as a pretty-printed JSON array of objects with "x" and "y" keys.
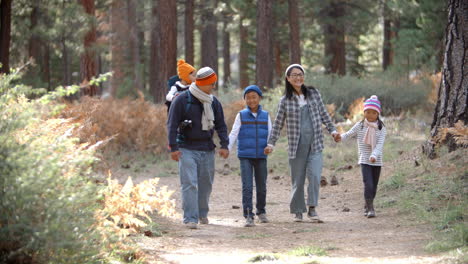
[
  {"x": 88, "y": 58},
  {"x": 5, "y": 35},
  {"x": 118, "y": 45},
  {"x": 164, "y": 60},
  {"x": 294, "y": 33},
  {"x": 189, "y": 29},
  {"x": 390, "y": 28},
  {"x": 65, "y": 63},
  {"x": 226, "y": 53},
  {"x": 334, "y": 31},
  {"x": 134, "y": 44},
  {"x": 243, "y": 55},
  {"x": 209, "y": 36},
  {"x": 264, "y": 58},
  {"x": 34, "y": 40},
  {"x": 453, "y": 92}
]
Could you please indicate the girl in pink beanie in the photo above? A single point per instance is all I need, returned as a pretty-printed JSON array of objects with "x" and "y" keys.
[{"x": 370, "y": 134}]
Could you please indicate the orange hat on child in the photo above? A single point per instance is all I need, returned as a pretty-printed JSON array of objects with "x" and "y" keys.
[{"x": 184, "y": 70}]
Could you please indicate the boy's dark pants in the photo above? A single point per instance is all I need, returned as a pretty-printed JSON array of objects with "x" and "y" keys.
[
  {"x": 370, "y": 176},
  {"x": 250, "y": 169}
]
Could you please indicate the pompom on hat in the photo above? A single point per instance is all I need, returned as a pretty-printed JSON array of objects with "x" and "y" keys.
[
  {"x": 292, "y": 66},
  {"x": 252, "y": 88},
  {"x": 206, "y": 76},
  {"x": 373, "y": 103},
  {"x": 184, "y": 70}
]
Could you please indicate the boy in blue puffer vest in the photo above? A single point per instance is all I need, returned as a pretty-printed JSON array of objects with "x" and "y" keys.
[{"x": 251, "y": 129}]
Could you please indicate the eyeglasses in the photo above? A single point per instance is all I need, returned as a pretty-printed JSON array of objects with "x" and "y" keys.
[{"x": 294, "y": 75}]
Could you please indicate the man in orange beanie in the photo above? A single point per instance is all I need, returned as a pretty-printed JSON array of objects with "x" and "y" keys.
[
  {"x": 194, "y": 116},
  {"x": 187, "y": 75}
]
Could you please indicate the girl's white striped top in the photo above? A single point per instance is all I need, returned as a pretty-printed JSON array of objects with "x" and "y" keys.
[{"x": 364, "y": 150}]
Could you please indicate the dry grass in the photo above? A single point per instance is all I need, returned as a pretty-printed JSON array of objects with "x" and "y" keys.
[{"x": 132, "y": 124}]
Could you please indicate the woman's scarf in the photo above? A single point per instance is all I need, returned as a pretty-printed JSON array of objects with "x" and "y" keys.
[
  {"x": 207, "y": 100},
  {"x": 369, "y": 137}
]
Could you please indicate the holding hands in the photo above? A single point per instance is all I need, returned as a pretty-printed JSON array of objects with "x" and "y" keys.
[
  {"x": 268, "y": 150},
  {"x": 336, "y": 137},
  {"x": 224, "y": 153}
]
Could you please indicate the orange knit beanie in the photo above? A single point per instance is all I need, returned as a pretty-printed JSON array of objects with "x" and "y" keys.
[{"x": 184, "y": 70}]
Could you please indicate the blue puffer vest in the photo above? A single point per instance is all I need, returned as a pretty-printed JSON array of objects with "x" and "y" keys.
[{"x": 253, "y": 134}]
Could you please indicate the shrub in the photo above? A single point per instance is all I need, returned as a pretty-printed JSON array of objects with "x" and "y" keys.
[{"x": 47, "y": 201}]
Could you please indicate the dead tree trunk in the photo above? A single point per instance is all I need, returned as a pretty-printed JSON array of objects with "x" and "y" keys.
[{"x": 450, "y": 115}]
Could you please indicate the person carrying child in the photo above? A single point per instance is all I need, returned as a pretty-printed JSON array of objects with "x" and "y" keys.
[
  {"x": 187, "y": 75},
  {"x": 370, "y": 134},
  {"x": 251, "y": 130}
]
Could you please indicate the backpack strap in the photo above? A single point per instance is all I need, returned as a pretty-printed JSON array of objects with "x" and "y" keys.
[{"x": 189, "y": 102}]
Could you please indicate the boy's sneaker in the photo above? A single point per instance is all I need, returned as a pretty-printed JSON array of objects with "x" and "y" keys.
[
  {"x": 204, "y": 220},
  {"x": 249, "y": 222},
  {"x": 312, "y": 214},
  {"x": 262, "y": 218},
  {"x": 191, "y": 225},
  {"x": 371, "y": 214},
  {"x": 298, "y": 217}
]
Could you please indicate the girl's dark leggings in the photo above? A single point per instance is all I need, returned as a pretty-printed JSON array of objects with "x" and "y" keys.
[{"x": 370, "y": 177}]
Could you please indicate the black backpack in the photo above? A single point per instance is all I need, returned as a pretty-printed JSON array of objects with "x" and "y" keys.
[{"x": 171, "y": 82}]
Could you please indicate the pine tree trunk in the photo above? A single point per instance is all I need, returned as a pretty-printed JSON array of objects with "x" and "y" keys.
[
  {"x": 134, "y": 44},
  {"x": 118, "y": 45},
  {"x": 46, "y": 67},
  {"x": 88, "y": 58},
  {"x": 65, "y": 63},
  {"x": 209, "y": 36},
  {"x": 294, "y": 35},
  {"x": 164, "y": 46},
  {"x": 334, "y": 31},
  {"x": 5, "y": 35},
  {"x": 453, "y": 92},
  {"x": 264, "y": 58},
  {"x": 226, "y": 53},
  {"x": 189, "y": 29},
  {"x": 390, "y": 34},
  {"x": 34, "y": 40},
  {"x": 243, "y": 55}
]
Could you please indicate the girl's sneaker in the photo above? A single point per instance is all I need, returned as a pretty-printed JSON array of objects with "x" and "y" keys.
[
  {"x": 312, "y": 214},
  {"x": 298, "y": 217}
]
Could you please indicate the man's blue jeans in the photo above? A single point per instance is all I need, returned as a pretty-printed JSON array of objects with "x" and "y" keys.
[
  {"x": 196, "y": 170},
  {"x": 251, "y": 168}
]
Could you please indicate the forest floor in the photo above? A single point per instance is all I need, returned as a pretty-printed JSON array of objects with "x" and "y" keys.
[{"x": 345, "y": 236}]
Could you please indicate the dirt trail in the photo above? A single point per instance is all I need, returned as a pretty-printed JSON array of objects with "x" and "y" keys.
[{"x": 346, "y": 236}]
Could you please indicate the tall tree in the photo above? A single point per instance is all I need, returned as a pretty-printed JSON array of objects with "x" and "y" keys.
[
  {"x": 164, "y": 62},
  {"x": 134, "y": 44},
  {"x": 294, "y": 35},
  {"x": 209, "y": 35},
  {"x": 453, "y": 92},
  {"x": 226, "y": 50},
  {"x": 390, "y": 27},
  {"x": 88, "y": 58},
  {"x": 264, "y": 58},
  {"x": 189, "y": 29},
  {"x": 334, "y": 33},
  {"x": 5, "y": 35},
  {"x": 243, "y": 54},
  {"x": 118, "y": 45}
]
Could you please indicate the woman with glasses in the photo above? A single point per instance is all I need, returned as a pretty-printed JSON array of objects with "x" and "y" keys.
[{"x": 304, "y": 112}]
